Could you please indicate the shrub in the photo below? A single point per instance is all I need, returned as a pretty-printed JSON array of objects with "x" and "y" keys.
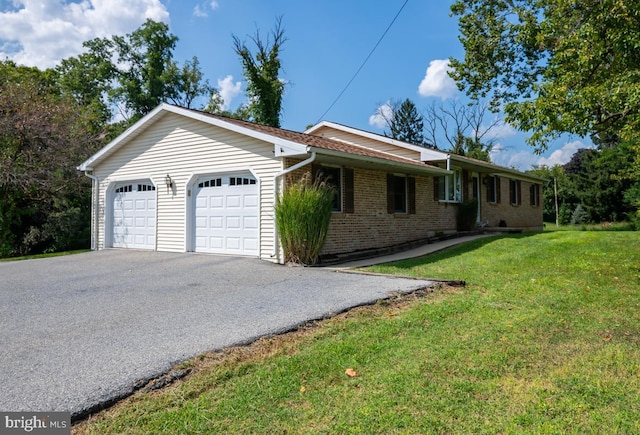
[
  {"x": 467, "y": 215},
  {"x": 579, "y": 216},
  {"x": 303, "y": 213}
]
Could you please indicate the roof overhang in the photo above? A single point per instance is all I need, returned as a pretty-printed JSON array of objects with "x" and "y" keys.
[{"x": 408, "y": 167}]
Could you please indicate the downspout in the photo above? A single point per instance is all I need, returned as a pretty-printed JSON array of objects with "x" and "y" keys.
[
  {"x": 276, "y": 194},
  {"x": 94, "y": 210}
]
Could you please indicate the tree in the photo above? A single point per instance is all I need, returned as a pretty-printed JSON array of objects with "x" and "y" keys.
[
  {"x": 462, "y": 127},
  {"x": 554, "y": 66},
  {"x": 44, "y": 133},
  {"x": 88, "y": 78},
  {"x": 134, "y": 73},
  {"x": 186, "y": 84},
  {"x": 406, "y": 123},
  {"x": 264, "y": 87},
  {"x": 144, "y": 67}
]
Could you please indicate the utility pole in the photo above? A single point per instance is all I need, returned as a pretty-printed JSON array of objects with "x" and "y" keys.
[{"x": 555, "y": 192}]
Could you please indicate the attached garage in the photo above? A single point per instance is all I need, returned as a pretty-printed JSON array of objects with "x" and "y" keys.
[
  {"x": 226, "y": 214},
  {"x": 133, "y": 223}
]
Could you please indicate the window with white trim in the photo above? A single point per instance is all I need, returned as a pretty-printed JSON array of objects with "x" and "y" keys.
[
  {"x": 450, "y": 187},
  {"x": 493, "y": 188}
]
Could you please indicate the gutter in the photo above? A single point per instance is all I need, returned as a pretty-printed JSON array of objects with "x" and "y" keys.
[
  {"x": 94, "y": 210},
  {"x": 276, "y": 195}
]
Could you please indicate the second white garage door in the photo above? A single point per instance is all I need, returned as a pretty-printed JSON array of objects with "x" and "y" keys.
[{"x": 226, "y": 215}]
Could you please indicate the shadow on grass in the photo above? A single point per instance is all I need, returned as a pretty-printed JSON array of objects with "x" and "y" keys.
[{"x": 456, "y": 250}]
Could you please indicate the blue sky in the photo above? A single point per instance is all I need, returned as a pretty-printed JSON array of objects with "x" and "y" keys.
[{"x": 326, "y": 44}]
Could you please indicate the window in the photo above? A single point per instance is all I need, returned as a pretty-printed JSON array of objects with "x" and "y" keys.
[
  {"x": 146, "y": 187},
  {"x": 241, "y": 181},
  {"x": 448, "y": 188},
  {"x": 333, "y": 177},
  {"x": 514, "y": 192},
  {"x": 493, "y": 188},
  {"x": 341, "y": 179},
  {"x": 123, "y": 189},
  {"x": 534, "y": 195},
  {"x": 214, "y": 182},
  {"x": 401, "y": 194}
]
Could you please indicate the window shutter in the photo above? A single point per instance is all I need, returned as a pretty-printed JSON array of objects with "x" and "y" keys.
[
  {"x": 411, "y": 195},
  {"x": 436, "y": 189},
  {"x": 538, "y": 190},
  {"x": 519, "y": 192},
  {"x": 497, "y": 181},
  {"x": 348, "y": 190},
  {"x": 390, "y": 196}
]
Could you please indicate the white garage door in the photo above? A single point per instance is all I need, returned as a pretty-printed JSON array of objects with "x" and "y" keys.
[
  {"x": 134, "y": 216},
  {"x": 226, "y": 215}
]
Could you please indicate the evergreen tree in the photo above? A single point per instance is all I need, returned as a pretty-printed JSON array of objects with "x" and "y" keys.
[{"x": 407, "y": 124}]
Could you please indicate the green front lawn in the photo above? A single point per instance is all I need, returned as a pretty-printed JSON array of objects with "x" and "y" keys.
[{"x": 545, "y": 338}]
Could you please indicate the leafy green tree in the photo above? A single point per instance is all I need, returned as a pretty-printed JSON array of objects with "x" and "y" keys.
[
  {"x": 144, "y": 59},
  {"x": 264, "y": 86},
  {"x": 407, "y": 124},
  {"x": 88, "y": 78},
  {"x": 187, "y": 84},
  {"x": 44, "y": 133},
  {"x": 554, "y": 66}
]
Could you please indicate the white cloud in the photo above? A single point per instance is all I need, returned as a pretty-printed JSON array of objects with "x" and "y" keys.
[
  {"x": 202, "y": 10},
  {"x": 436, "y": 82},
  {"x": 562, "y": 155},
  {"x": 524, "y": 160},
  {"x": 383, "y": 112},
  {"x": 43, "y": 32},
  {"x": 501, "y": 130},
  {"x": 228, "y": 90}
]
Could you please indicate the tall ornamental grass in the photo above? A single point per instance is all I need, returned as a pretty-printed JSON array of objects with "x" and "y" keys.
[{"x": 303, "y": 213}]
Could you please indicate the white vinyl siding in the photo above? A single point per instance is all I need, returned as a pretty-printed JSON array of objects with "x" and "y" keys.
[
  {"x": 180, "y": 147},
  {"x": 362, "y": 141}
]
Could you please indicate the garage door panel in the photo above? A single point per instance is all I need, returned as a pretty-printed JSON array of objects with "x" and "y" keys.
[
  {"x": 250, "y": 222},
  {"x": 233, "y": 201},
  {"x": 231, "y": 215},
  {"x": 250, "y": 201},
  {"x": 233, "y": 222},
  {"x": 134, "y": 216},
  {"x": 217, "y": 202}
]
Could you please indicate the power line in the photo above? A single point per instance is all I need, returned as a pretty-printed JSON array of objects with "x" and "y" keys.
[{"x": 364, "y": 62}]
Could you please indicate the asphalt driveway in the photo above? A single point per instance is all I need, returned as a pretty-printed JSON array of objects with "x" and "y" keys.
[{"x": 80, "y": 330}]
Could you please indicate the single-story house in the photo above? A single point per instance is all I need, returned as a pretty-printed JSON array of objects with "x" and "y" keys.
[{"x": 183, "y": 180}]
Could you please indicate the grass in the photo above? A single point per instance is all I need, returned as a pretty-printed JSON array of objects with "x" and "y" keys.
[
  {"x": 545, "y": 338},
  {"x": 47, "y": 255}
]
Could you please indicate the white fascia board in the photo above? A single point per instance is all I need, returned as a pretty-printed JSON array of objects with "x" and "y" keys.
[{"x": 288, "y": 149}]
